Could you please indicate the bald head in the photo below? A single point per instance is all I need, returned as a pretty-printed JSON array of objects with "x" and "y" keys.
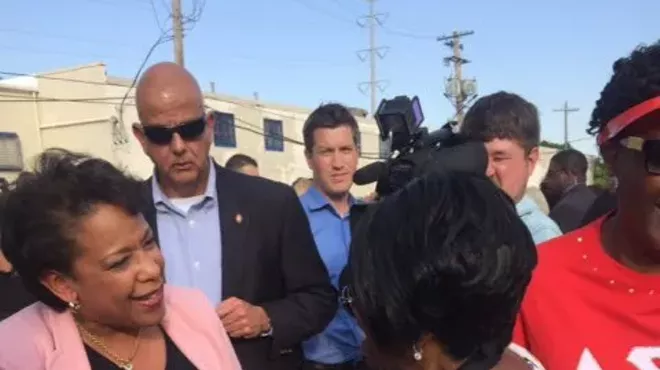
[
  {"x": 165, "y": 87},
  {"x": 174, "y": 131}
]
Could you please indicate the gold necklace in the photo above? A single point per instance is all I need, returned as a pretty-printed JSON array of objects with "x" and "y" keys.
[{"x": 125, "y": 364}]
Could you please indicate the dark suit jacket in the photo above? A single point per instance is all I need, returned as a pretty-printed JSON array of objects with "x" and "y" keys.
[
  {"x": 269, "y": 259},
  {"x": 604, "y": 204},
  {"x": 572, "y": 207}
]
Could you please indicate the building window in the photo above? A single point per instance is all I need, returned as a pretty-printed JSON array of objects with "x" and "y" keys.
[
  {"x": 273, "y": 135},
  {"x": 11, "y": 156},
  {"x": 224, "y": 130}
]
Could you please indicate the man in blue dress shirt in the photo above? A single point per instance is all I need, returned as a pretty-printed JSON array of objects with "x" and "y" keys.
[{"x": 331, "y": 137}]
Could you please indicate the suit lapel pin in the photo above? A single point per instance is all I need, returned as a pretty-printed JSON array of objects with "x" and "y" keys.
[{"x": 238, "y": 218}]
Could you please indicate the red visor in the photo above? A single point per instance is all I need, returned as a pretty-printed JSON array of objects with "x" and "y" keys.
[{"x": 625, "y": 119}]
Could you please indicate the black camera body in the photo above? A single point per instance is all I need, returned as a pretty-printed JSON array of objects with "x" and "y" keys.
[{"x": 414, "y": 150}]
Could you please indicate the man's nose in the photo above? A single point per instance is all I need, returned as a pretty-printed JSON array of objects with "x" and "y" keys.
[
  {"x": 337, "y": 161},
  {"x": 490, "y": 170},
  {"x": 177, "y": 145}
]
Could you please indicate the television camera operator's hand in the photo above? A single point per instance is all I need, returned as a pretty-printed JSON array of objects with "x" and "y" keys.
[{"x": 243, "y": 320}]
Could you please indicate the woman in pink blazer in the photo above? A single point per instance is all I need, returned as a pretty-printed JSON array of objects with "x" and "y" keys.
[{"x": 74, "y": 234}]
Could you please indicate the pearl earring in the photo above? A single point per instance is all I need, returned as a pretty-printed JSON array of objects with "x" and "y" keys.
[
  {"x": 417, "y": 353},
  {"x": 74, "y": 306}
]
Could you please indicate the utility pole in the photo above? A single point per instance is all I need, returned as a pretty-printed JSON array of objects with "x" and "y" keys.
[
  {"x": 177, "y": 19},
  {"x": 373, "y": 53},
  {"x": 566, "y": 111},
  {"x": 458, "y": 90}
]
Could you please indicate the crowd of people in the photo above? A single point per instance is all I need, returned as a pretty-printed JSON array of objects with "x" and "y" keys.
[{"x": 209, "y": 266}]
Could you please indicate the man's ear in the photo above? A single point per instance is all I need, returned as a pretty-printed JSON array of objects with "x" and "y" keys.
[
  {"x": 308, "y": 157},
  {"x": 139, "y": 135},
  {"x": 210, "y": 121},
  {"x": 532, "y": 159}
]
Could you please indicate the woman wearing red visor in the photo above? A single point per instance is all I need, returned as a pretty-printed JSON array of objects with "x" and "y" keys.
[{"x": 594, "y": 299}]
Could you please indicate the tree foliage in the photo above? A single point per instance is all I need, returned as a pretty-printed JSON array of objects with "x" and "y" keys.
[{"x": 601, "y": 174}]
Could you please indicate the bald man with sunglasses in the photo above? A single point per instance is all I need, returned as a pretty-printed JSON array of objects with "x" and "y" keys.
[{"x": 243, "y": 240}]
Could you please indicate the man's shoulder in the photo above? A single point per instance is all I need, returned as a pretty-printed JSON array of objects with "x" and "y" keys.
[{"x": 540, "y": 225}]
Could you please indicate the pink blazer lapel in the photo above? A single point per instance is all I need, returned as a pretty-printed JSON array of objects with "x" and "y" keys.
[
  {"x": 193, "y": 325},
  {"x": 68, "y": 352}
]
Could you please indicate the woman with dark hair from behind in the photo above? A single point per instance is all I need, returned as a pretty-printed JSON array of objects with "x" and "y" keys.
[
  {"x": 438, "y": 271},
  {"x": 76, "y": 238}
]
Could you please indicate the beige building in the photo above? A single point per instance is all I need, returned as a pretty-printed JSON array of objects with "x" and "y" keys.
[{"x": 80, "y": 109}]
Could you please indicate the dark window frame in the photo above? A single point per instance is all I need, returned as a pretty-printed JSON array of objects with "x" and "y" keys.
[
  {"x": 9, "y": 136},
  {"x": 224, "y": 130},
  {"x": 273, "y": 138}
]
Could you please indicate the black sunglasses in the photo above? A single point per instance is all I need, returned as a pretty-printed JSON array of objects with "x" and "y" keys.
[
  {"x": 650, "y": 148},
  {"x": 189, "y": 131}
]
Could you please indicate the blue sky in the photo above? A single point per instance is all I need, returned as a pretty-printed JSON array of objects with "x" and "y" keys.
[{"x": 303, "y": 52}]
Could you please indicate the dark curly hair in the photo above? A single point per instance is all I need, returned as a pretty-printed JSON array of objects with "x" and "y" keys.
[
  {"x": 448, "y": 256},
  {"x": 44, "y": 207},
  {"x": 636, "y": 78}
]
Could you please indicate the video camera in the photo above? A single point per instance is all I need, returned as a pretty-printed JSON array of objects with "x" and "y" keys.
[{"x": 414, "y": 150}]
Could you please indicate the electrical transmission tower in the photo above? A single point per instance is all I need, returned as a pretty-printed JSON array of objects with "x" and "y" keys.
[
  {"x": 373, "y": 53},
  {"x": 457, "y": 89},
  {"x": 566, "y": 111}
]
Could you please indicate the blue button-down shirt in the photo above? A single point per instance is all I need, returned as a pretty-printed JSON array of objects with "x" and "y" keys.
[
  {"x": 190, "y": 240},
  {"x": 341, "y": 340},
  {"x": 539, "y": 224}
]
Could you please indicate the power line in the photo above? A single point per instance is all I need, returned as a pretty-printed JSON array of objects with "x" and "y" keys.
[
  {"x": 103, "y": 100},
  {"x": 157, "y": 19},
  {"x": 177, "y": 29},
  {"x": 22, "y": 49},
  {"x": 408, "y": 35},
  {"x": 56, "y": 36},
  {"x": 325, "y": 12},
  {"x": 387, "y": 29},
  {"x": 251, "y": 127},
  {"x": 110, "y": 99}
]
